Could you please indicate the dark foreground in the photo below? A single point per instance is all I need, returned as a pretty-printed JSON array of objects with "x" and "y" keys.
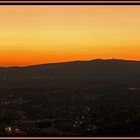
[{"x": 69, "y": 108}]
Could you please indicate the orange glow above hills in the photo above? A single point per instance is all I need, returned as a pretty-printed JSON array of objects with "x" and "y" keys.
[{"x": 49, "y": 34}]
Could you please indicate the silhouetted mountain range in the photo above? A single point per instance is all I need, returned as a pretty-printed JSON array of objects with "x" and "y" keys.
[{"x": 98, "y": 69}]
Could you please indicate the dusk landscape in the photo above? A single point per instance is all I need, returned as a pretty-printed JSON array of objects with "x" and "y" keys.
[{"x": 69, "y": 71}]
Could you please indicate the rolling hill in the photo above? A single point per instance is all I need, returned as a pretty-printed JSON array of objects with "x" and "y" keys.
[{"x": 98, "y": 69}]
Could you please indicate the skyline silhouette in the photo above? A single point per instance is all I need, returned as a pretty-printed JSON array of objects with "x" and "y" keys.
[{"x": 70, "y": 61}]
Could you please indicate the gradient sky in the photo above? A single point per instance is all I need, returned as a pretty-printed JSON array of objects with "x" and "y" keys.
[{"x": 46, "y": 34}]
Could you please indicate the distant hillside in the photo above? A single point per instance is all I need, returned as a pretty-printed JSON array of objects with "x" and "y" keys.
[{"x": 98, "y": 69}]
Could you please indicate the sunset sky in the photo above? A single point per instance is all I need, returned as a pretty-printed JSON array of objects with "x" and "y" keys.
[{"x": 48, "y": 34}]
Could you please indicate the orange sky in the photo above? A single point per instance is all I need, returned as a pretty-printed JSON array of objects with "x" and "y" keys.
[{"x": 44, "y": 34}]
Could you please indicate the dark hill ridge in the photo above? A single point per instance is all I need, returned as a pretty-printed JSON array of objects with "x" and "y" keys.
[{"x": 98, "y": 69}]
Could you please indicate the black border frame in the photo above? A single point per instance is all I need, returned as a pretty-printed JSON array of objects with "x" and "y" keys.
[{"x": 70, "y": 2}]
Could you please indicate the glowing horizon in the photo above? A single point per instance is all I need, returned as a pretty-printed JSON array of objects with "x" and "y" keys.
[{"x": 48, "y": 34}]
